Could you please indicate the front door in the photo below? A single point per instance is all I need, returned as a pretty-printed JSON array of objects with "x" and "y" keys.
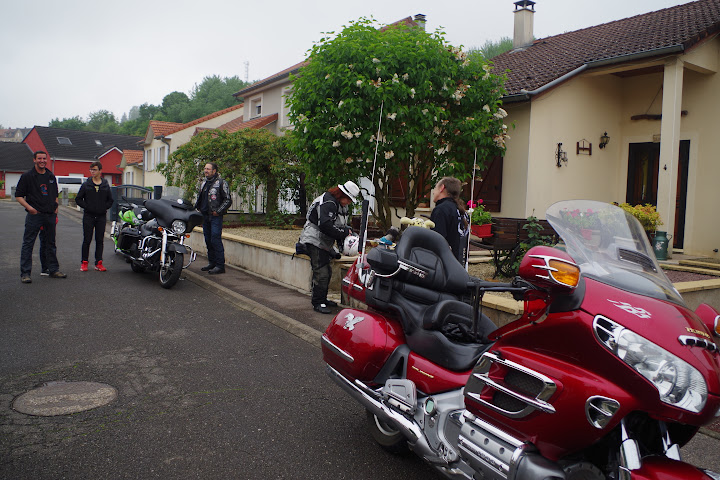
[{"x": 642, "y": 181}]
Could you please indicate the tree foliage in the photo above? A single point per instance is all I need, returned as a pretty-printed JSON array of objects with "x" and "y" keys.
[
  {"x": 492, "y": 49},
  {"x": 437, "y": 108},
  {"x": 246, "y": 159},
  {"x": 212, "y": 94}
]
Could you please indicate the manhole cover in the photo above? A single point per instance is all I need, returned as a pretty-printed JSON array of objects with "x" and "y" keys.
[{"x": 64, "y": 398}]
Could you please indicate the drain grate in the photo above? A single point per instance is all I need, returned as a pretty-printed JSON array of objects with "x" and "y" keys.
[{"x": 64, "y": 398}]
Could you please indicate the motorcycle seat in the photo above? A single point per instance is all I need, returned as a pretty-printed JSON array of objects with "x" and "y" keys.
[
  {"x": 454, "y": 320},
  {"x": 147, "y": 228},
  {"x": 430, "y": 250}
]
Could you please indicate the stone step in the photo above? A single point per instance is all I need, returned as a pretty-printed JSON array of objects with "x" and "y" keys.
[
  {"x": 699, "y": 263},
  {"x": 687, "y": 268}
]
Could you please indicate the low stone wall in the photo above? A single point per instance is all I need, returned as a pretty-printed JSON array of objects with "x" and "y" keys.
[
  {"x": 270, "y": 261},
  {"x": 276, "y": 262}
]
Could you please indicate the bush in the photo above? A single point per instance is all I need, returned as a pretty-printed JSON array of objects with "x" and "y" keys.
[{"x": 647, "y": 214}]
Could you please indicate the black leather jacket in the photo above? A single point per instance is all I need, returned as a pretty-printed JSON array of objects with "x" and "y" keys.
[{"x": 218, "y": 196}]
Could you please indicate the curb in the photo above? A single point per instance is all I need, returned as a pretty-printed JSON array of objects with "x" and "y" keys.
[{"x": 300, "y": 330}]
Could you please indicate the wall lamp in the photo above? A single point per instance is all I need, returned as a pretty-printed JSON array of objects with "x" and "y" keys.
[
  {"x": 560, "y": 156},
  {"x": 604, "y": 140}
]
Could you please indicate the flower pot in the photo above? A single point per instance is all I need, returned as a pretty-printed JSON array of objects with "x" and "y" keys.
[{"x": 481, "y": 231}]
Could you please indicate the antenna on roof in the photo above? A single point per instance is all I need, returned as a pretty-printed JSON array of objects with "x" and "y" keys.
[{"x": 247, "y": 71}]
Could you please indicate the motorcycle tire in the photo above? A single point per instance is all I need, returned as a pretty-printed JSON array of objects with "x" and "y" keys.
[
  {"x": 171, "y": 274},
  {"x": 385, "y": 435},
  {"x": 136, "y": 268}
]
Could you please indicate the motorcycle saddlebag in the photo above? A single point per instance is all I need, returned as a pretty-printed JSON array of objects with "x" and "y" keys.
[
  {"x": 357, "y": 343},
  {"x": 127, "y": 237}
]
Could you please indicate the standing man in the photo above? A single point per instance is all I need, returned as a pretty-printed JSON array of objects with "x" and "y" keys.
[
  {"x": 37, "y": 191},
  {"x": 213, "y": 201},
  {"x": 95, "y": 199}
]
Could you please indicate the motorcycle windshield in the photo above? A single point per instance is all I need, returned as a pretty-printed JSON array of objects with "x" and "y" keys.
[{"x": 610, "y": 246}]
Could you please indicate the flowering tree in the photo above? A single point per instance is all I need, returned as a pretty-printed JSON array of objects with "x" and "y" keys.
[
  {"x": 437, "y": 108},
  {"x": 246, "y": 158}
]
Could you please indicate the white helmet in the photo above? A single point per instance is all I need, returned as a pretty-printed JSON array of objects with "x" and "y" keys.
[{"x": 350, "y": 245}]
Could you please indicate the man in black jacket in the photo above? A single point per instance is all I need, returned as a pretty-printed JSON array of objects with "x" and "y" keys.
[
  {"x": 213, "y": 201},
  {"x": 95, "y": 199},
  {"x": 37, "y": 191}
]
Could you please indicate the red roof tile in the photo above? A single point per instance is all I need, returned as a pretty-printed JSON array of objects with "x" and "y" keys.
[
  {"x": 163, "y": 128},
  {"x": 550, "y": 58},
  {"x": 235, "y": 125}
]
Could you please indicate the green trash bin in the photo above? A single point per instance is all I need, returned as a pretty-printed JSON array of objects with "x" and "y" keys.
[{"x": 660, "y": 245}]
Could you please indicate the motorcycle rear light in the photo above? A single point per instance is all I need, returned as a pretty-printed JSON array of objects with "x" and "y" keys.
[
  {"x": 717, "y": 326},
  {"x": 565, "y": 273}
]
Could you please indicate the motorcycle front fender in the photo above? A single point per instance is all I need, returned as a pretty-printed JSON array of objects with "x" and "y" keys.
[
  {"x": 657, "y": 468},
  {"x": 176, "y": 247}
]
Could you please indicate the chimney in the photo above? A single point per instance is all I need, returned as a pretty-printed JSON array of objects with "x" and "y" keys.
[
  {"x": 420, "y": 20},
  {"x": 523, "y": 34}
]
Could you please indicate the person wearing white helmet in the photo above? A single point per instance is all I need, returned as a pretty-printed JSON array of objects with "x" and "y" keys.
[{"x": 326, "y": 223}]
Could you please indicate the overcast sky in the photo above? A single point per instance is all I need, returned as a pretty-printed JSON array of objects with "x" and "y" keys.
[{"x": 69, "y": 58}]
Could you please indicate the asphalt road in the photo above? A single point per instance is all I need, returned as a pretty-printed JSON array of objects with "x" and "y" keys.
[{"x": 205, "y": 390}]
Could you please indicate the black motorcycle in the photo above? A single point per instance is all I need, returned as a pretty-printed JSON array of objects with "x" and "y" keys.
[{"x": 152, "y": 237}]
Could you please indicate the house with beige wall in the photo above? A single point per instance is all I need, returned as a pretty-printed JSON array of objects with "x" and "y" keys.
[
  {"x": 649, "y": 84},
  {"x": 163, "y": 138}
]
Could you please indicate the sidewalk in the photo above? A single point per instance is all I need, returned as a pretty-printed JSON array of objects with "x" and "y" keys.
[{"x": 288, "y": 308}]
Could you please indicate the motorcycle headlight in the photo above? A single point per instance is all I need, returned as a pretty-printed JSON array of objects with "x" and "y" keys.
[
  {"x": 178, "y": 227},
  {"x": 678, "y": 383}
]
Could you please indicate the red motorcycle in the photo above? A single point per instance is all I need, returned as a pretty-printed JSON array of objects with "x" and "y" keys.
[{"x": 606, "y": 374}]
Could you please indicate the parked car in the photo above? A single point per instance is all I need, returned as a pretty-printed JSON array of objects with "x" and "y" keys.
[{"x": 71, "y": 183}]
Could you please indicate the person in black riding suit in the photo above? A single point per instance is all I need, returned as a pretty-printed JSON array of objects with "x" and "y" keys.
[
  {"x": 326, "y": 223},
  {"x": 213, "y": 201}
]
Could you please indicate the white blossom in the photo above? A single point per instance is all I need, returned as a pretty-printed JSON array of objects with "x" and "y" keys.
[
  {"x": 405, "y": 76},
  {"x": 412, "y": 93},
  {"x": 502, "y": 112},
  {"x": 392, "y": 116},
  {"x": 486, "y": 108},
  {"x": 389, "y": 155},
  {"x": 336, "y": 143},
  {"x": 375, "y": 60},
  {"x": 340, "y": 104},
  {"x": 425, "y": 111},
  {"x": 358, "y": 83},
  {"x": 357, "y": 134},
  {"x": 396, "y": 79},
  {"x": 347, "y": 134},
  {"x": 436, "y": 130}
]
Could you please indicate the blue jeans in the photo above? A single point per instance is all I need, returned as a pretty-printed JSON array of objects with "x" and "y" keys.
[
  {"x": 33, "y": 223},
  {"x": 212, "y": 229}
]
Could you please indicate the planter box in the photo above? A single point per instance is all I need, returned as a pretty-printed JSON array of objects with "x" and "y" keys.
[{"x": 482, "y": 231}]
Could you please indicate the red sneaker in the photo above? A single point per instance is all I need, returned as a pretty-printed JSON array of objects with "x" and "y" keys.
[
  {"x": 83, "y": 266},
  {"x": 99, "y": 267}
]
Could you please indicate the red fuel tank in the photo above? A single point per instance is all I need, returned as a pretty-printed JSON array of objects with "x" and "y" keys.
[{"x": 357, "y": 343}]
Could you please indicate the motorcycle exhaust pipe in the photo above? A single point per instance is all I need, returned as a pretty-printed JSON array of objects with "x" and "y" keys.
[{"x": 370, "y": 400}]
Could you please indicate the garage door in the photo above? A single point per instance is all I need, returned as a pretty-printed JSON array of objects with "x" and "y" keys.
[{"x": 11, "y": 180}]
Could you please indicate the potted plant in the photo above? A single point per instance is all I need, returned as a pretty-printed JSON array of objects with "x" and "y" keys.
[
  {"x": 480, "y": 220},
  {"x": 2, "y": 188},
  {"x": 585, "y": 222},
  {"x": 647, "y": 214}
]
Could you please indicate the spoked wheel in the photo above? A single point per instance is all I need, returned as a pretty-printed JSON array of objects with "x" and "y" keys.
[
  {"x": 387, "y": 436},
  {"x": 170, "y": 273}
]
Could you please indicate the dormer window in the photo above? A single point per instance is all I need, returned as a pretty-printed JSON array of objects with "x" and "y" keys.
[
  {"x": 64, "y": 141},
  {"x": 256, "y": 107},
  {"x": 98, "y": 143}
]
